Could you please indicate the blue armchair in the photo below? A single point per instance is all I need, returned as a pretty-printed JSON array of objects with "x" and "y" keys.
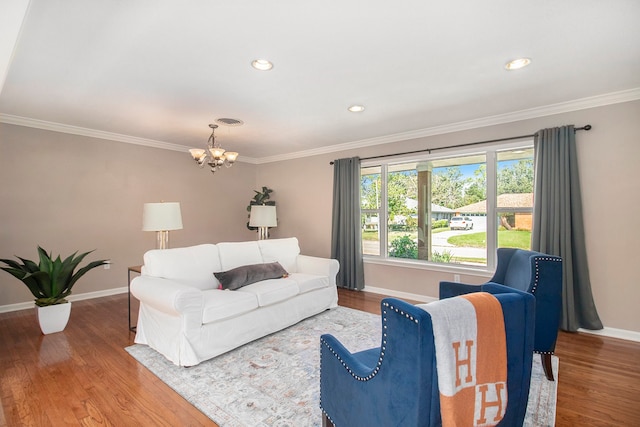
[
  {"x": 397, "y": 383},
  {"x": 535, "y": 273}
]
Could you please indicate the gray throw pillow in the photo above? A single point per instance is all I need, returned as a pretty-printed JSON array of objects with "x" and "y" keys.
[{"x": 248, "y": 274}]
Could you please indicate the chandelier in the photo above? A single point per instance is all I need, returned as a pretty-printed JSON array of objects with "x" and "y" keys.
[{"x": 214, "y": 155}]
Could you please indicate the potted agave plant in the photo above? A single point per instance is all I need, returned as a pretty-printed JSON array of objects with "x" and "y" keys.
[{"x": 50, "y": 281}]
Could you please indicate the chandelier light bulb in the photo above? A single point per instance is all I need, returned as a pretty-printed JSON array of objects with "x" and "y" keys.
[
  {"x": 231, "y": 156},
  {"x": 216, "y": 152}
]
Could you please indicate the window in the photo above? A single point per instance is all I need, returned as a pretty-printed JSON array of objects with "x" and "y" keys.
[
  {"x": 435, "y": 209},
  {"x": 515, "y": 198},
  {"x": 371, "y": 201}
]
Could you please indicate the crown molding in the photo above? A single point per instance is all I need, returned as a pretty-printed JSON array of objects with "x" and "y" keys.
[
  {"x": 531, "y": 113},
  {"x": 562, "y": 107},
  {"x": 93, "y": 133}
]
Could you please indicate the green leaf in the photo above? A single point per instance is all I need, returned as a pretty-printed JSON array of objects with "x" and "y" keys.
[
  {"x": 50, "y": 281},
  {"x": 29, "y": 265},
  {"x": 13, "y": 264},
  {"x": 84, "y": 270},
  {"x": 31, "y": 280}
]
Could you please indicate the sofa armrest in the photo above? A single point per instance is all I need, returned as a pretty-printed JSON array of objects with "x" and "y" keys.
[
  {"x": 320, "y": 266},
  {"x": 168, "y": 296}
]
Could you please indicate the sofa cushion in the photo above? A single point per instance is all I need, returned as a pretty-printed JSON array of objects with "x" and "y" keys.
[
  {"x": 310, "y": 282},
  {"x": 236, "y": 254},
  {"x": 219, "y": 304},
  {"x": 284, "y": 251},
  {"x": 193, "y": 264},
  {"x": 248, "y": 274},
  {"x": 272, "y": 291}
]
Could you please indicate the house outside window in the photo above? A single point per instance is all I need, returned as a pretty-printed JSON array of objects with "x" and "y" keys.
[{"x": 434, "y": 209}]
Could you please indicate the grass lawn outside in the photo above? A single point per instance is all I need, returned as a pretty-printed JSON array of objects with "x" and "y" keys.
[
  {"x": 506, "y": 238},
  {"x": 520, "y": 239}
]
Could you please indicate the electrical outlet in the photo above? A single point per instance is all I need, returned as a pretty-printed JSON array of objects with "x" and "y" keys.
[
  {"x": 107, "y": 266},
  {"x": 456, "y": 278}
]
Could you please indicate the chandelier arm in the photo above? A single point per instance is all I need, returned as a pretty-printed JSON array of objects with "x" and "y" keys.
[{"x": 211, "y": 142}]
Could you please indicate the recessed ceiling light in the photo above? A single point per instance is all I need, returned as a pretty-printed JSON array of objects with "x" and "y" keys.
[
  {"x": 262, "y": 65},
  {"x": 356, "y": 108},
  {"x": 516, "y": 64}
]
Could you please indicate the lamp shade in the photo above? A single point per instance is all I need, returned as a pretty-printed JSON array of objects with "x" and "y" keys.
[
  {"x": 263, "y": 216},
  {"x": 161, "y": 216}
]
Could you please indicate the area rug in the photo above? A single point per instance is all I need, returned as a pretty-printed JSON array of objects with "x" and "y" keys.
[{"x": 275, "y": 381}]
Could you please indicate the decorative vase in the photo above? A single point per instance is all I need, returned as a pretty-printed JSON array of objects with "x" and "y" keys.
[{"x": 53, "y": 318}]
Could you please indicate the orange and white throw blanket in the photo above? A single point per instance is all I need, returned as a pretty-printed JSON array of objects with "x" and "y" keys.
[{"x": 471, "y": 358}]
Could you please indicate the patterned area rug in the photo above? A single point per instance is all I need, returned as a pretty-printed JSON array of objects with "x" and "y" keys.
[{"x": 275, "y": 381}]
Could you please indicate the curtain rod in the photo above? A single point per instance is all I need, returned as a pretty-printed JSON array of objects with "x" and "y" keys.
[{"x": 468, "y": 144}]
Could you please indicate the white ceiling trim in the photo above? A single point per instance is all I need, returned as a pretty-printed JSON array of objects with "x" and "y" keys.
[
  {"x": 92, "y": 133},
  {"x": 563, "y": 107},
  {"x": 532, "y": 113}
]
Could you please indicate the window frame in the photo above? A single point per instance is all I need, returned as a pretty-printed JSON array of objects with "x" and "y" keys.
[{"x": 490, "y": 151}]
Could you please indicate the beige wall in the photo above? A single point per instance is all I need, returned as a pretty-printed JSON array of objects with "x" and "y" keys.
[
  {"x": 67, "y": 193},
  {"x": 303, "y": 195},
  {"x": 106, "y": 184},
  {"x": 608, "y": 157}
]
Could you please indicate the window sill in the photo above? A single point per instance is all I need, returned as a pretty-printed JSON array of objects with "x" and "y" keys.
[{"x": 421, "y": 265}]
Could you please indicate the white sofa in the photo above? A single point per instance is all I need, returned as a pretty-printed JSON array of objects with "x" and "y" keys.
[{"x": 184, "y": 316}]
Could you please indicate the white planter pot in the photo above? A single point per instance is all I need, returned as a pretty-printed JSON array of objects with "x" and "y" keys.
[{"x": 53, "y": 318}]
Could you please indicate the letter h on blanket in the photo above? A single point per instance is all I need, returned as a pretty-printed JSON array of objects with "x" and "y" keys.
[{"x": 464, "y": 360}]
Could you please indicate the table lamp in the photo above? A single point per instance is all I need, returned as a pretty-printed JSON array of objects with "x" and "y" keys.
[
  {"x": 161, "y": 218},
  {"x": 263, "y": 217}
]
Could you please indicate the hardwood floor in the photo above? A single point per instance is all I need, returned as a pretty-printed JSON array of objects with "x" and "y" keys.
[{"x": 83, "y": 376}]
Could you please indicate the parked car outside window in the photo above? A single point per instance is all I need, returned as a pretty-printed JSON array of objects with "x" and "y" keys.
[{"x": 461, "y": 223}]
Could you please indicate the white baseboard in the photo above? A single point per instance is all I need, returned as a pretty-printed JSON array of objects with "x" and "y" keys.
[
  {"x": 76, "y": 297},
  {"x": 622, "y": 334},
  {"x": 605, "y": 332}
]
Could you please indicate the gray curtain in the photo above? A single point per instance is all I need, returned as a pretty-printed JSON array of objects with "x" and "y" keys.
[
  {"x": 346, "y": 234},
  {"x": 558, "y": 227}
]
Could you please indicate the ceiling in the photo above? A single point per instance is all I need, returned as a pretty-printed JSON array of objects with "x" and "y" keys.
[{"x": 158, "y": 72}]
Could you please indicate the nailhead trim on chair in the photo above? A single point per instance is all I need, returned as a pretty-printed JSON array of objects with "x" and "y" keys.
[
  {"x": 382, "y": 351},
  {"x": 535, "y": 286},
  {"x": 323, "y": 411},
  {"x": 537, "y": 270},
  {"x": 383, "y": 348}
]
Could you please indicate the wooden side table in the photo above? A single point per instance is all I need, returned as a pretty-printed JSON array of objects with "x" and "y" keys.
[{"x": 134, "y": 269}]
